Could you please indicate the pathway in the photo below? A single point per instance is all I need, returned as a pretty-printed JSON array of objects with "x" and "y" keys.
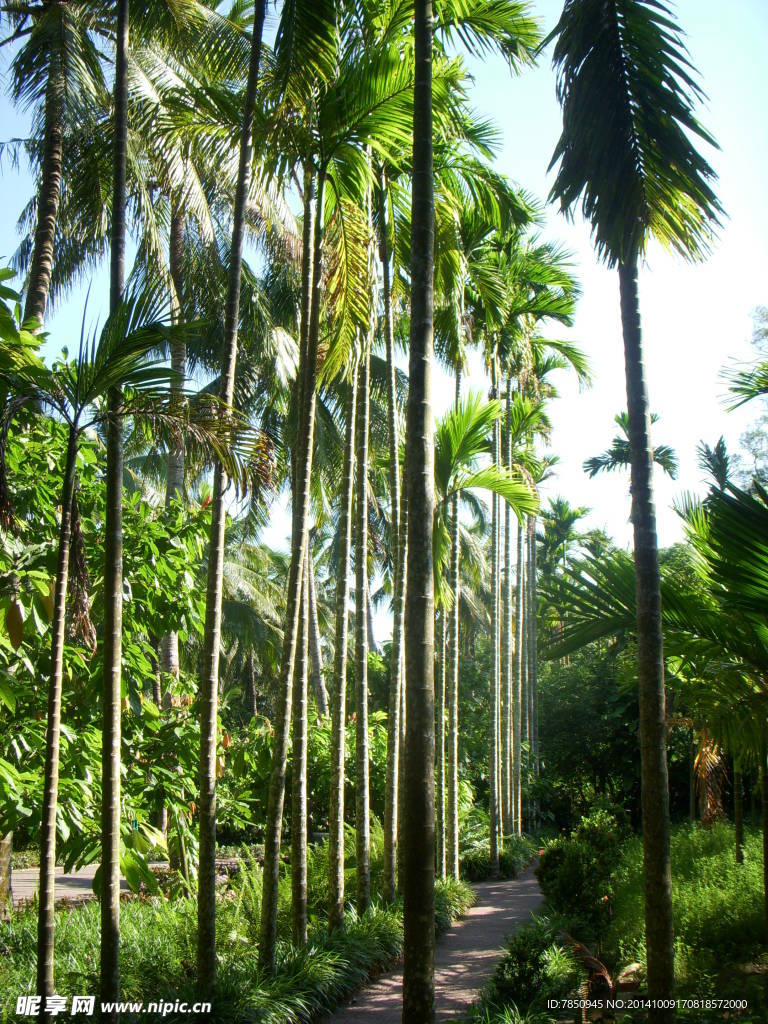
[
  {"x": 77, "y": 886},
  {"x": 465, "y": 957}
]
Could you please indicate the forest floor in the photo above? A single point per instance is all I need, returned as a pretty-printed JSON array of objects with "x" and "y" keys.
[{"x": 465, "y": 956}]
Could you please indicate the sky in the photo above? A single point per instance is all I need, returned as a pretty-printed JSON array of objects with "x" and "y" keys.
[{"x": 696, "y": 319}]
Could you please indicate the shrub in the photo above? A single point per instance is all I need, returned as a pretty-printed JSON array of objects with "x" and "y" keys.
[
  {"x": 574, "y": 872},
  {"x": 535, "y": 968}
]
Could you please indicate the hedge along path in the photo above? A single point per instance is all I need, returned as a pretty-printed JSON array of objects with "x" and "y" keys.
[{"x": 465, "y": 956}]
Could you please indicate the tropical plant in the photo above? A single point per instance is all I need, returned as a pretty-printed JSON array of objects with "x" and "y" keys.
[{"x": 639, "y": 176}]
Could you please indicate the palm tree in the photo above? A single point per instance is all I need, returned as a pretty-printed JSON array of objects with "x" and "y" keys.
[
  {"x": 618, "y": 456},
  {"x": 206, "y": 917},
  {"x": 418, "y": 831},
  {"x": 362, "y": 799},
  {"x": 113, "y": 559},
  {"x": 75, "y": 392},
  {"x": 462, "y": 439},
  {"x": 640, "y": 175},
  {"x": 58, "y": 70}
]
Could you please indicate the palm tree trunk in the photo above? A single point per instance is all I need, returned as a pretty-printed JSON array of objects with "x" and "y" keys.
[
  {"x": 306, "y": 426},
  {"x": 113, "y": 562},
  {"x": 395, "y": 670},
  {"x": 764, "y": 809},
  {"x": 691, "y": 779},
  {"x": 209, "y": 682},
  {"x": 6, "y": 900},
  {"x": 251, "y": 683},
  {"x": 362, "y": 791},
  {"x": 45, "y": 917},
  {"x": 659, "y": 925},
  {"x": 418, "y": 880},
  {"x": 169, "y": 643},
  {"x": 452, "y": 851},
  {"x": 440, "y": 811},
  {"x": 738, "y": 810},
  {"x": 315, "y": 649},
  {"x": 517, "y": 728},
  {"x": 533, "y": 669},
  {"x": 507, "y": 817},
  {"x": 49, "y": 192},
  {"x": 299, "y": 772},
  {"x": 400, "y": 625},
  {"x": 493, "y": 768},
  {"x": 338, "y": 713}
]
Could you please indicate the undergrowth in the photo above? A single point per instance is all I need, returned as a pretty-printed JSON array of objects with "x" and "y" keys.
[{"x": 158, "y": 948}]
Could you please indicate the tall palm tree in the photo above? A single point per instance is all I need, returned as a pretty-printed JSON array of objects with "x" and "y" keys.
[
  {"x": 113, "y": 559},
  {"x": 418, "y": 834},
  {"x": 338, "y": 710},
  {"x": 58, "y": 70},
  {"x": 640, "y": 175},
  {"x": 206, "y": 906},
  {"x": 76, "y": 392},
  {"x": 462, "y": 441}
]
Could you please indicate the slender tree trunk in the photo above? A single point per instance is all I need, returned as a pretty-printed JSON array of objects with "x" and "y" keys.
[
  {"x": 419, "y": 825},
  {"x": 299, "y": 772},
  {"x": 6, "y": 894},
  {"x": 452, "y": 845},
  {"x": 45, "y": 916},
  {"x": 533, "y": 668},
  {"x": 764, "y": 809},
  {"x": 738, "y": 810},
  {"x": 441, "y": 684},
  {"x": 362, "y": 790},
  {"x": 169, "y": 643},
  {"x": 395, "y": 670},
  {"x": 400, "y": 789},
  {"x": 517, "y": 728},
  {"x": 209, "y": 682},
  {"x": 691, "y": 779},
  {"x": 659, "y": 925},
  {"x": 253, "y": 706},
  {"x": 339, "y": 713},
  {"x": 315, "y": 648},
  {"x": 507, "y": 816},
  {"x": 49, "y": 193},
  {"x": 113, "y": 563},
  {"x": 493, "y": 770},
  {"x": 306, "y": 421}
]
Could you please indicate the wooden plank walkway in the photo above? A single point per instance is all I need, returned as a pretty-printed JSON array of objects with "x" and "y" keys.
[{"x": 465, "y": 958}]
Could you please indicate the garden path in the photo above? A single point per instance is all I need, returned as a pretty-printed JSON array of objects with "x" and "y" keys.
[{"x": 465, "y": 956}]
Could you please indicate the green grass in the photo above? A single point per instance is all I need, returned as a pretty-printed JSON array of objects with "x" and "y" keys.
[{"x": 158, "y": 949}]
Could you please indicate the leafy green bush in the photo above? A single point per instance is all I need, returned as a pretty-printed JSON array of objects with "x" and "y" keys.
[
  {"x": 574, "y": 872},
  {"x": 535, "y": 968},
  {"x": 475, "y": 854}
]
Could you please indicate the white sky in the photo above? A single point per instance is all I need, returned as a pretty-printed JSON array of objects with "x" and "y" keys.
[{"x": 695, "y": 318}]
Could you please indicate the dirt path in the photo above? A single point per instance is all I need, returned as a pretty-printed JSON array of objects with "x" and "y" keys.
[{"x": 465, "y": 958}]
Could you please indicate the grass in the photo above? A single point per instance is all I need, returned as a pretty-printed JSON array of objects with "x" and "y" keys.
[
  {"x": 720, "y": 949},
  {"x": 158, "y": 949},
  {"x": 718, "y": 908}
]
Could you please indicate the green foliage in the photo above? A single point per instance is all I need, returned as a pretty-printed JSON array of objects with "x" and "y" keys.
[
  {"x": 158, "y": 943},
  {"x": 515, "y": 853},
  {"x": 535, "y": 968},
  {"x": 575, "y": 871},
  {"x": 718, "y": 904}
]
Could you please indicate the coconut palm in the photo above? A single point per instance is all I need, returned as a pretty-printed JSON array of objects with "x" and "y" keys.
[{"x": 639, "y": 175}]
